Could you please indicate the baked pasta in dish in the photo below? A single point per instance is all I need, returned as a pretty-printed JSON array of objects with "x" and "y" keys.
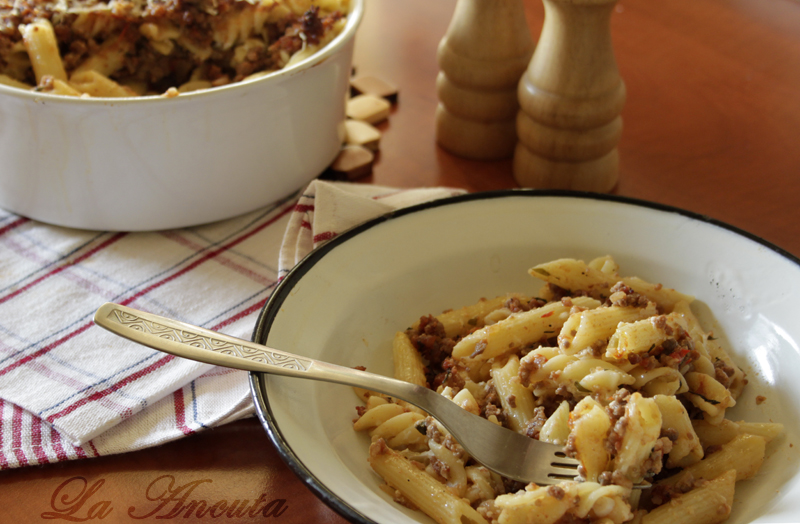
[
  {"x": 617, "y": 370},
  {"x": 147, "y": 47}
]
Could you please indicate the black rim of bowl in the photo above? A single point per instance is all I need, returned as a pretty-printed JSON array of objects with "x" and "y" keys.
[{"x": 267, "y": 315}]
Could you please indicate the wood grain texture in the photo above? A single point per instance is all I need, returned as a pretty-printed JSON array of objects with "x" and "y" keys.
[
  {"x": 571, "y": 97},
  {"x": 711, "y": 125},
  {"x": 229, "y": 474},
  {"x": 486, "y": 49},
  {"x": 710, "y": 120}
]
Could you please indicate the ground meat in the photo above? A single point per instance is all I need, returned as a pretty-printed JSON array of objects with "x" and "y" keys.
[
  {"x": 536, "y": 303},
  {"x": 512, "y": 486},
  {"x": 480, "y": 347},
  {"x": 512, "y": 401},
  {"x": 492, "y": 409},
  {"x": 597, "y": 348},
  {"x": 661, "y": 494},
  {"x": 451, "y": 444},
  {"x": 616, "y": 406},
  {"x": 515, "y": 305},
  {"x": 194, "y": 20},
  {"x": 491, "y": 405},
  {"x": 535, "y": 425},
  {"x": 670, "y": 433},
  {"x": 312, "y": 25},
  {"x": 441, "y": 469},
  {"x": 432, "y": 431},
  {"x": 453, "y": 375},
  {"x": 528, "y": 366},
  {"x": 616, "y": 412},
  {"x": 605, "y": 478},
  {"x": 256, "y": 59},
  {"x": 556, "y": 492},
  {"x": 557, "y": 292},
  {"x": 488, "y": 510},
  {"x": 379, "y": 447},
  {"x": 618, "y": 478},
  {"x": 723, "y": 373},
  {"x": 613, "y": 442},
  {"x": 674, "y": 352},
  {"x": 563, "y": 392},
  {"x": 430, "y": 339},
  {"x": 624, "y": 296},
  {"x": 669, "y": 346},
  {"x": 490, "y": 395},
  {"x": 655, "y": 462},
  {"x": 569, "y": 449},
  {"x": 648, "y": 362}
]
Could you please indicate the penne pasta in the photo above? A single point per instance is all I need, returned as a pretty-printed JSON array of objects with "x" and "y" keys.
[
  {"x": 108, "y": 59},
  {"x": 708, "y": 504},
  {"x": 516, "y": 399},
  {"x": 93, "y": 83},
  {"x": 745, "y": 452},
  {"x": 8, "y": 81},
  {"x": 40, "y": 42},
  {"x": 686, "y": 447},
  {"x": 597, "y": 325},
  {"x": 518, "y": 330},
  {"x": 632, "y": 386},
  {"x": 574, "y": 274},
  {"x": 722, "y": 433},
  {"x": 589, "y": 428},
  {"x": 167, "y": 48},
  {"x": 420, "y": 489},
  {"x": 408, "y": 365},
  {"x": 642, "y": 431}
]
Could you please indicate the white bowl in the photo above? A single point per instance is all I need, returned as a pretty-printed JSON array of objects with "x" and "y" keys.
[
  {"x": 156, "y": 163},
  {"x": 344, "y": 302}
]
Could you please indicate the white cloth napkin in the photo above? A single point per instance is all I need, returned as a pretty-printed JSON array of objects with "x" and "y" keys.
[{"x": 69, "y": 389}]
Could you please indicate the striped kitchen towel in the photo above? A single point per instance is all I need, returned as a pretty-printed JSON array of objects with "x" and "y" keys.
[{"x": 69, "y": 389}]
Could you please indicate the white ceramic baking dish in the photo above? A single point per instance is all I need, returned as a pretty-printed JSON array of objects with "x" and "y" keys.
[{"x": 157, "y": 163}]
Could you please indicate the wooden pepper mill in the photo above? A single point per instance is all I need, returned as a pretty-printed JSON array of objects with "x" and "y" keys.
[
  {"x": 571, "y": 97},
  {"x": 486, "y": 49}
]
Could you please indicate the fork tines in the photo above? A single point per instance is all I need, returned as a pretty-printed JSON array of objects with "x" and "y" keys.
[{"x": 563, "y": 467}]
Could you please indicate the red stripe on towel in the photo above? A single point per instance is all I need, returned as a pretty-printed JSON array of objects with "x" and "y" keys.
[
  {"x": 36, "y": 441},
  {"x": 58, "y": 269},
  {"x": 3, "y": 460},
  {"x": 16, "y": 436},
  {"x": 327, "y": 235},
  {"x": 144, "y": 291},
  {"x": 303, "y": 208},
  {"x": 180, "y": 412},
  {"x": 55, "y": 439},
  {"x": 13, "y": 225},
  {"x": 111, "y": 389}
]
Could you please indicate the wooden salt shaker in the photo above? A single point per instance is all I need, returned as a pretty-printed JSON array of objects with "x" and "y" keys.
[
  {"x": 571, "y": 97},
  {"x": 485, "y": 51}
]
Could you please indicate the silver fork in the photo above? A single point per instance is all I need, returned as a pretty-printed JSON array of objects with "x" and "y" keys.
[{"x": 502, "y": 450}]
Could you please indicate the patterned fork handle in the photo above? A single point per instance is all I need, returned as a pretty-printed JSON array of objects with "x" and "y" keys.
[
  {"x": 203, "y": 345},
  {"x": 509, "y": 453}
]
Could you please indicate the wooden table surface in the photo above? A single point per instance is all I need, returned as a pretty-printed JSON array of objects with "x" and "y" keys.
[{"x": 712, "y": 125}]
